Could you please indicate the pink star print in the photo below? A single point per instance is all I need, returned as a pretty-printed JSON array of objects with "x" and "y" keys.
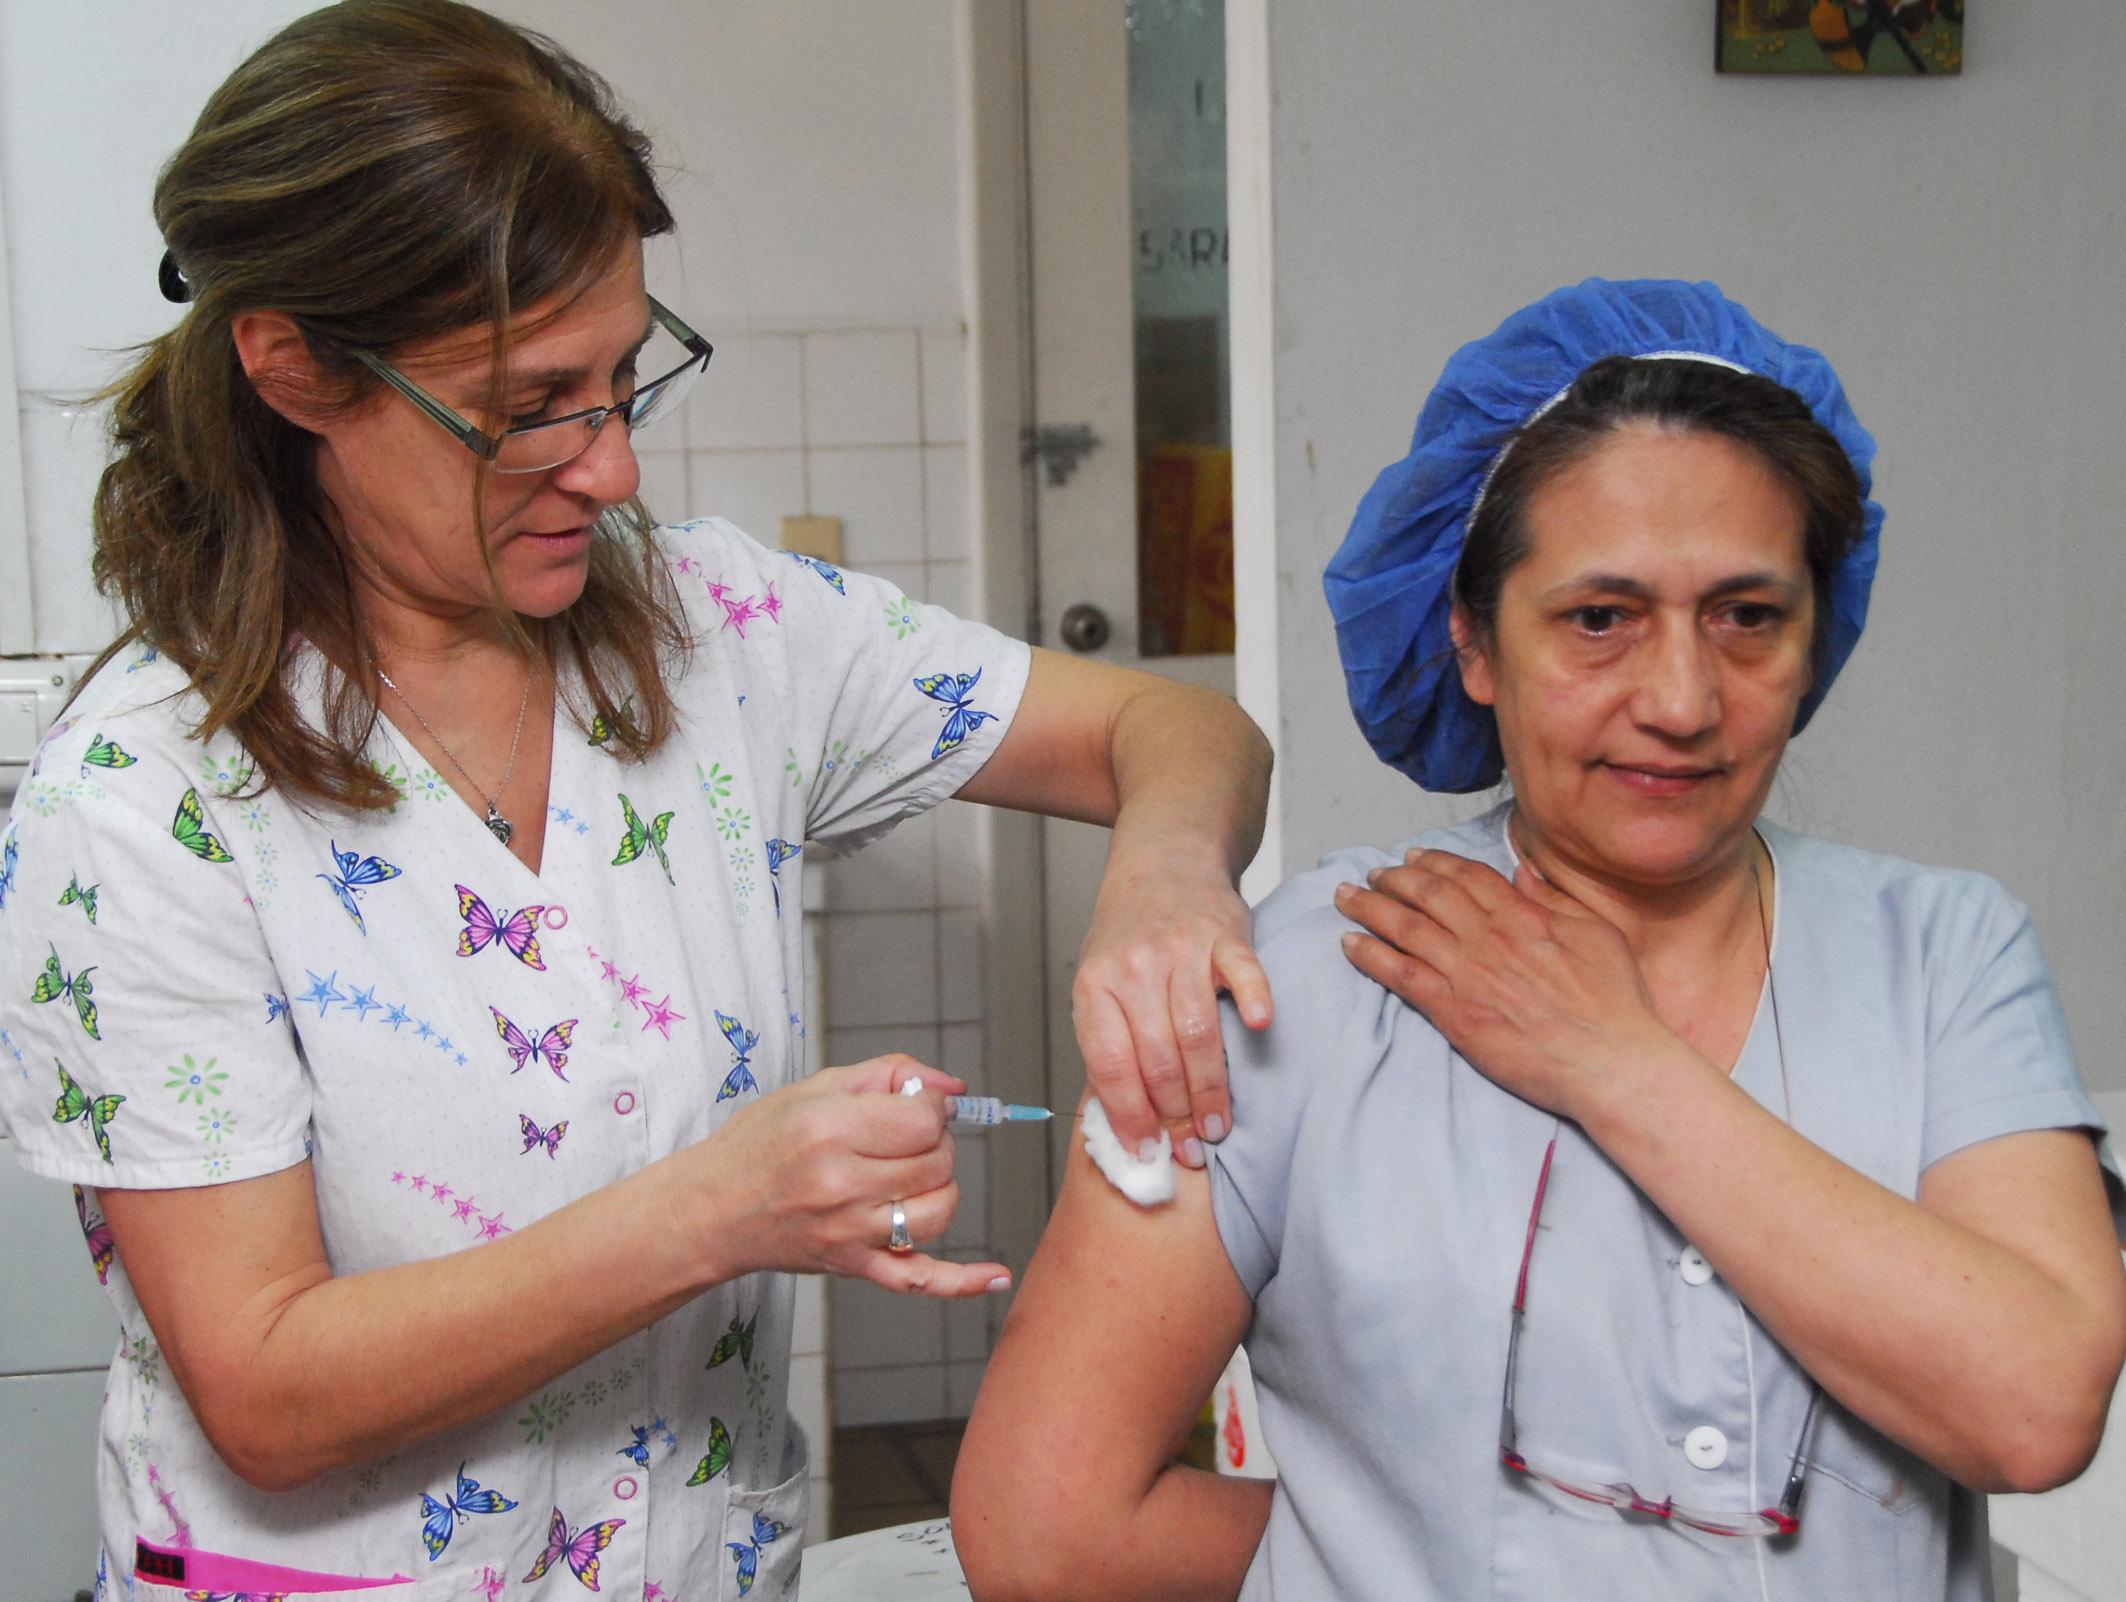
[
  {"x": 718, "y": 591},
  {"x": 440, "y": 1192},
  {"x": 632, "y": 990},
  {"x": 687, "y": 564},
  {"x": 493, "y": 1228},
  {"x": 661, "y": 1018},
  {"x": 420, "y": 1183},
  {"x": 609, "y": 971},
  {"x": 652, "y": 1592},
  {"x": 490, "y": 1582},
  {"x": 464, "y": 1207},
  {"x": 737, "y": 614},
  {"x": 771, "y": 604},
  {"x": 398, "y": 1176}
]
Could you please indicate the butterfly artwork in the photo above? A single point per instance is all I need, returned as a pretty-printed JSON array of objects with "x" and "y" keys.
[
  {"x": 189, "y": 829},
  {"x": 78, "y": 988},
  {"x": 234, "y": 1596},
  {"x": 104, "y": 753},
  {"x": 737, "y": 1341},
  {"x": 830, "y": 573},
  {"x": 439, "y": 1519},
  {"x": 579, "y": 1549},
  {"x": 602, "y": 726},
  {"x": 779, "y": 852},
  {"x": 637, "y": 1451},
  {"x": 747, "y": 1553},
  {"x": 742, "y": 1040},
  {"x": 516, "y": 932},
  {"x": 552, "y": 1047},
  {"x": 640, "y": 837},
  {"x": 719, "y": 1455},
  {"x": 276, "y": 1006},
  {"x": 961, "y": 720},
  {"x": 103, "y": 1250},
  {"x": 535, "y": 1137},
  {"x": 8, "y": 857},
  {"x": 75, "y": 1104},
  {"x": 74, "y": 896},
  {"x": 351, "y": 873}
]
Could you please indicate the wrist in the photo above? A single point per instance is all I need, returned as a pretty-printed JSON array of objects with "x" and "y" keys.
[
  {"x": 695, "y": 1235},
  {"x": 1635, "y": 1084}
]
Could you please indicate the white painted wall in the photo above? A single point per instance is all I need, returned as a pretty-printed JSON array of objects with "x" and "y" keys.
[{"x": 1955, "y": 244}]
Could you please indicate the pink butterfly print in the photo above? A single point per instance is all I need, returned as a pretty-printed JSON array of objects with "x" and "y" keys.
[
  {"x": 737, "y": 614},
  {"x": 552, "y": 1046},
  {"x": 518, "y": 931},
  {"x": 535, "y": 1137},
  {"x": 580, "y": 1549},
  {"x": 102, "y": 1248}
]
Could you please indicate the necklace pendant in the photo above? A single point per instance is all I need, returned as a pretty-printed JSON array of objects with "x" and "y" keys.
[{"x": 498, "y": 826}]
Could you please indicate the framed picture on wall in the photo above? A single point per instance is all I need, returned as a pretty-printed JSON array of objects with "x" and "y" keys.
[{"x": 1852, "y": 38}]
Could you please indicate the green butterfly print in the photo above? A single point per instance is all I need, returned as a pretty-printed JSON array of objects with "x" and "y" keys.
[
  {"x": 736, "y": 1342},
  {"x": 719, "y": 1457},
  {"x": 642, "y": 837},
  {"x": 55, "y": 982},
  {"x": 189, "y": 829},
  {"x": 75, "y": 1104},
  {"x": 602, "y": 727},
  {"x": 104, "y": 753},
  {"x": 74, "y": 895}
]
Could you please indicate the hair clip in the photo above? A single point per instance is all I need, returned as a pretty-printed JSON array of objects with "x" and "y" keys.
[{"x": 172, "y": 281}]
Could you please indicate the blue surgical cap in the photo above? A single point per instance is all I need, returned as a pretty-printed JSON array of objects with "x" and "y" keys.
[{"x": 1391, "y": 584}]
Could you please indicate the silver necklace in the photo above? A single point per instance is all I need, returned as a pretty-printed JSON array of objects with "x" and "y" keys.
[{"x": 497, "y": 825}]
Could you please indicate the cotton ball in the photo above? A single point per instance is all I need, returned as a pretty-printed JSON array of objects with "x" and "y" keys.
[{"x": 1148, "y": 1184}]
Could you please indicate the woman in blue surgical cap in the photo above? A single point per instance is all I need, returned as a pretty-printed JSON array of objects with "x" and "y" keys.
[{"x": 1632, "y": 1198}]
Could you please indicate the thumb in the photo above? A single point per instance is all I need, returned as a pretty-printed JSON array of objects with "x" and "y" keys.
[{"x": 1542, "y": 892}]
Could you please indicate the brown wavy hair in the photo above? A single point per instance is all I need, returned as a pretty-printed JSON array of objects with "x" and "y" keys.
[{"x": 383, "y": 172}]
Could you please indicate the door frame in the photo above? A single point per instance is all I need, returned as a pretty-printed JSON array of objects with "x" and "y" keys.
[{"x": 995, "y": 260}]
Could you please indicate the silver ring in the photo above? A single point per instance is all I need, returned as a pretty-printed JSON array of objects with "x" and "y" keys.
[{"x": 898, "y": 1239}]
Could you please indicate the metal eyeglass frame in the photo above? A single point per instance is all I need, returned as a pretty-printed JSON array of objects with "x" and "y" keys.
[{"x": 488, "y": 446}]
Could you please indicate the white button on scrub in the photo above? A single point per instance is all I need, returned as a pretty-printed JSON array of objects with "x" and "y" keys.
[
  {"x": 1693, "y": 1266},
  {"x": 1706, "y": 1447}
]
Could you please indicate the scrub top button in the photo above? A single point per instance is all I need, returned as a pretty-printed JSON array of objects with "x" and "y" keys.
[
  {"x": 1706, "y": 1447},
  {"x": 1693, "y": 1266}
]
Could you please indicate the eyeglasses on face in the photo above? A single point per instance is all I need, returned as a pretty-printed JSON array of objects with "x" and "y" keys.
[{"x": 537, "y": 447}]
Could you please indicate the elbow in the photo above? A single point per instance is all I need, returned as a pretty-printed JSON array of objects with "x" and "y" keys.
[
  {"x": 1013, "y": 1529},
  {"x": 2054, "y": 1436},
  {"x": 253, "y": 1438}
]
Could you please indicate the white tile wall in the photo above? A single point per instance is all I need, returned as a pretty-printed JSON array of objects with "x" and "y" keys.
[
  {"x": 863, "y": 388},
  {"x": 877, "y": 492}
]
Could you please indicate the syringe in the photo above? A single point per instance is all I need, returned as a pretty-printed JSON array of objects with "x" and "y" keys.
[{"x": 980, "y": 1109}]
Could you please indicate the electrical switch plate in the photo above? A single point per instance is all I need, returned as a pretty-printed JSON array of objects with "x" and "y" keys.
[{"x": 31, "y": 694}]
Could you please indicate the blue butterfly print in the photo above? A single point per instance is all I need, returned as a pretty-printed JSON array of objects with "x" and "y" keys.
[
  {"x": 639, "y": 1449},
  {"x": 7, "y": 865},
  {"x": 832, "y": 575},
  {"x": 779, "y": 852},
  {"x": 439, "y": 1519},
  {"x": 747, "y": 1553},
  {"x": 742, "y": 1040},
  {"x": 276, "y": 1007},
  {"x": 352, "y": 872},
  {"x": 961, "y": 719}
]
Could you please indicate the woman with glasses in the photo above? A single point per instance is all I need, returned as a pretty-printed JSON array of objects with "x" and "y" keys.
[
  {"x": 400, "y": 936},
  {"x": 1633, "y": 1198}
]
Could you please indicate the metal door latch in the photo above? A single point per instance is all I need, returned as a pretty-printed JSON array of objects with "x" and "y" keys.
[{"x": 1059, "y": 448}]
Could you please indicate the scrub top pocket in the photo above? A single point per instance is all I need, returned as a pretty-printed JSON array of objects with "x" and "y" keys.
[{"x": 764, "y": 1531}]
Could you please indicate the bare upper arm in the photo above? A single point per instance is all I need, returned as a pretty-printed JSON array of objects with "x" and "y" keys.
[
  {"x": 212, "y": 1266},
  {"x": 1121, "y": 1325},
  {"x": 2041, "y": 1194}
]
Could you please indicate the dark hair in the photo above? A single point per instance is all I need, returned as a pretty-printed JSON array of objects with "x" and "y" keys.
[
  {"x": 1684, "y": 397},
  {"x": 383, "y": 172}
]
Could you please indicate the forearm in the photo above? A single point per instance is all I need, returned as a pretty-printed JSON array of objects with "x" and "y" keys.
[
  {"x": 339, "y": 1370},
  {"x": 1192, "y": 778},
  {"x": 1970, "y": 1353}
]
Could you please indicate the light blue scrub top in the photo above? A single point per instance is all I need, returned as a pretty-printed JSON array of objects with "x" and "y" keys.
[{"x": 1374, "y": 1197}]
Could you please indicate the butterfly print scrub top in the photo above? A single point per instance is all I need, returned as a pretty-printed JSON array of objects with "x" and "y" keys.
[{"x": 201, "y": 984}]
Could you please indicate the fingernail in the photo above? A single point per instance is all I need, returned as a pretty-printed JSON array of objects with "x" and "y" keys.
[
  {"x": 1147, "y": 1149},
  {"x": 1001, "y": 1283},
  {"x": 1373, "y": 875},
  {"x": 1192, "y": 1152},
  {"x": 1350, "y": 940},
  {"x": 1214, "y": 1129},
  {"x": 1344, "y": 892}
]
